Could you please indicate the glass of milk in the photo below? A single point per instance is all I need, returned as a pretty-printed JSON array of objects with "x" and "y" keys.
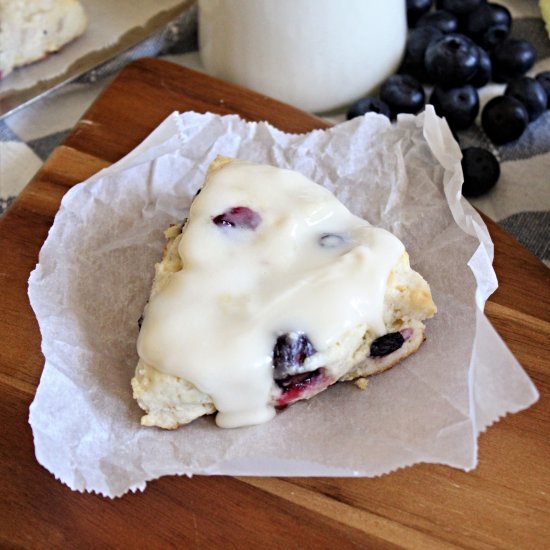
[{"x": 317, "y": 55}]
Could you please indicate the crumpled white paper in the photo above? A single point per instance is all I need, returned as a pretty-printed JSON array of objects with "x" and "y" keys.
[{"x": 94, "y": 276}]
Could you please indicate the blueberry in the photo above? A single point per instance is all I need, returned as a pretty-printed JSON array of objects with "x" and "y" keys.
[
  {"x": 368, "y": 105},
  {"x": 331, "y": 240},
  {"x": 290, "y": 352},
  {"x": 459, "y": 7},
  {"x": 297, "y": 383},
  {"x": 494, "y": 35},
  {"x": 403, "y": 94},
  {"x": 417, "y": 8},
  {"x": 451, "y": 60},
  {"x": 488, "y": 25},
  {"x": 504, "y": 119},
  {"x": 544, "y": 80},
  {"x": 512, "y": 59},
  {"x": 481, "y": 171},
  {"x": 417, "y": 42},
  {"x": 459, "y": 106},
  {"x": 531, "y": 93},
  {"x": 443, "y": 20},
  {"x": 386, "y": 344},
  {"x": 240, "y": 217},
  {"x": 484, "y": 70}
]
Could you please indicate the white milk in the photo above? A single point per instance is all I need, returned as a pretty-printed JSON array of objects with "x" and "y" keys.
[
  {"x": 215, "y": 322},
  {"x": 315, "y": 54}
]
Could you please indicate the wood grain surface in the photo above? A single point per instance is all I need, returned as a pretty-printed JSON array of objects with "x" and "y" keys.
[{"x": 504, "y": 503}]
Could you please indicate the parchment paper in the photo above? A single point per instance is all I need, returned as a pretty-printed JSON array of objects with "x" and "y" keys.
[{"x": 94, "y": 276}]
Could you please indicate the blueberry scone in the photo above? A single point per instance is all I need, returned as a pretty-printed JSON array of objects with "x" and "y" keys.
[
  {"x": 32, "y": 29},
  {"x": 269, "y": 293}
]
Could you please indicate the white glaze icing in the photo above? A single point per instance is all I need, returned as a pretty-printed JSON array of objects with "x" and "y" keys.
[{"x": 216, "y": 321}]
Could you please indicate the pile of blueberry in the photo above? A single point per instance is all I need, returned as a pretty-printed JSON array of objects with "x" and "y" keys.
[{"x": 457, "y": 48}]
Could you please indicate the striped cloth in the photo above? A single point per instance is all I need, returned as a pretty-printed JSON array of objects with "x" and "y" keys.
[{"x": 520, "y": 202}]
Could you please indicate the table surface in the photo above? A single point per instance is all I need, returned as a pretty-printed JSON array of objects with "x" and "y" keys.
[{"x": 503, "y": 503}]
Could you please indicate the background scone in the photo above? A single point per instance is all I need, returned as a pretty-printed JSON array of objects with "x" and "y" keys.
[
  {"x": 271, "y": 292},
  {"x": 32, "y": 29}
]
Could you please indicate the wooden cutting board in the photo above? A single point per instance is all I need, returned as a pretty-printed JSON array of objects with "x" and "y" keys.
[{"x": 503, "y": 503}]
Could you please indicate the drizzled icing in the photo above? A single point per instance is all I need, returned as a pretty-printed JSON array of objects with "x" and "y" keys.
[{"x": 306, "y": 265}]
